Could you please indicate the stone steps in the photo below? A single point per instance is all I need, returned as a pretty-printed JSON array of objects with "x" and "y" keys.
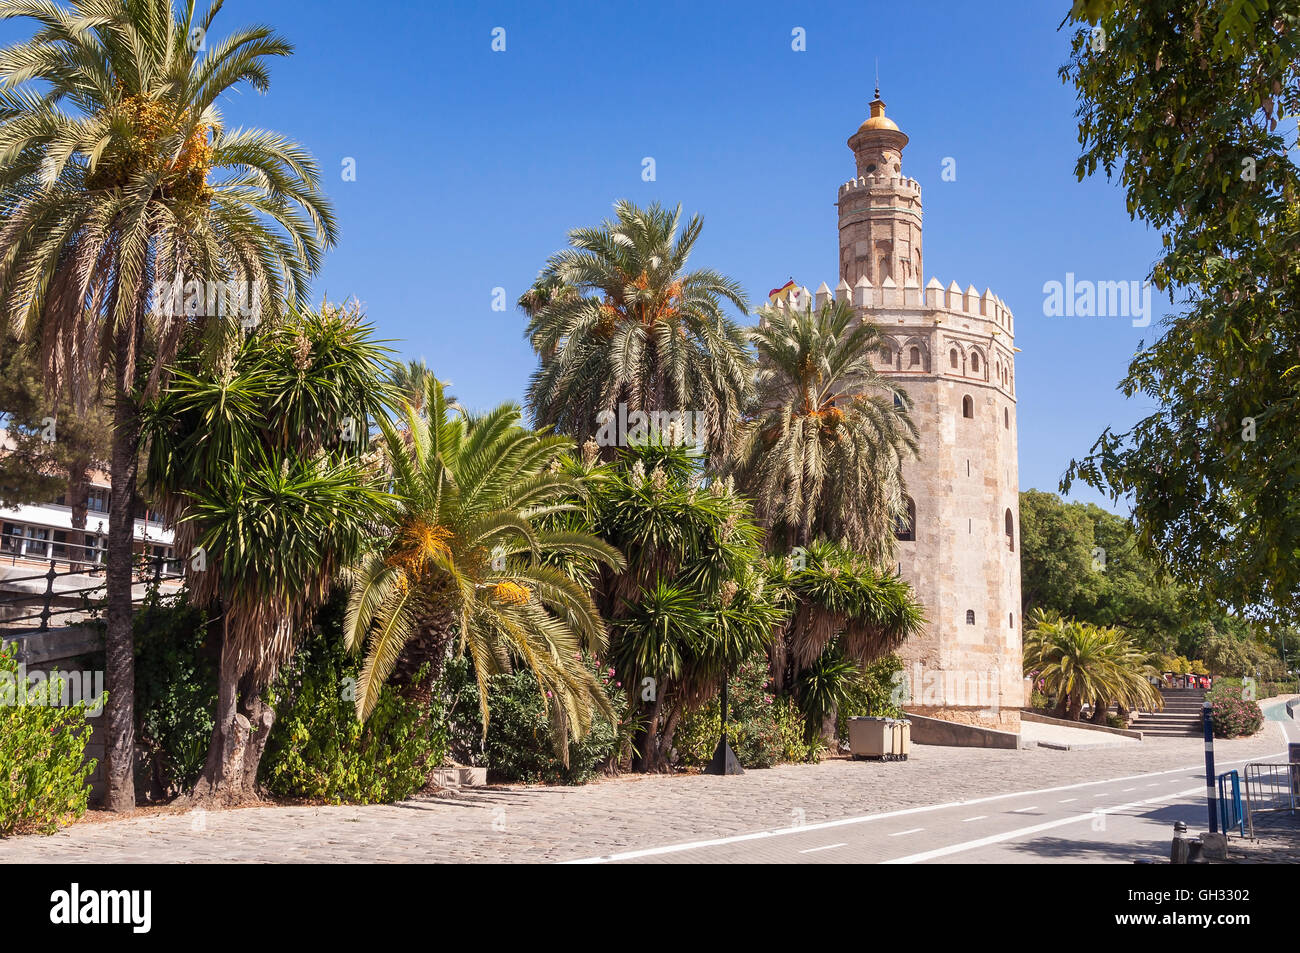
[{"x": 1181, "y": 717}]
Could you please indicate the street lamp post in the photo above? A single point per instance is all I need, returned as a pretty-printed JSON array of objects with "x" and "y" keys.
[{"x": 724, "y": 759}]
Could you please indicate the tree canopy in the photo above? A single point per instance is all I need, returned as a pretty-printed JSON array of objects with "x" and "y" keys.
[{"x": 1190, "y": 104}]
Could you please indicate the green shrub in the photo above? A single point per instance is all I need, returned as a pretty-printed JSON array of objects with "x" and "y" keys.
[
  {"x": 877, "y": 692},
  {"x": 761, "y": 729},
  {"x": 175, "y": 694},
  {"x": 319, "y": 750},
  {"x": 518, "y": 745},
  {"x": 43, "y": 768}
]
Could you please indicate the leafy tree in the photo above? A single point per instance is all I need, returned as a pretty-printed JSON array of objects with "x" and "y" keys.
[
  {"x": 822, "y": 457},
  {"x": 1078, "y": 560},
  {"x": 259, "y": 467},
  {"x": 616, "y": 318},
  {"x": 117, "y": 172},
  {"x": 1225, "y": 655},
  {"x": 464, "y": 556},
  {"x": 1189, "y": 104},
  {"x": 35, "y": 468}
]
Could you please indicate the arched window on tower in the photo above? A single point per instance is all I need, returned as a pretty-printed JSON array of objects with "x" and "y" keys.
[
  {"x": 970, "y": 616},
  {"x": 975, "y": 361},
  {"x": 914, "y": 357},
  {"x": 905, "y": 524},
  {"x": 1006, "y": 417},
  {"x": 967, "y": 407},
  {"x": 884, "y": 269},
  {"x": 884, "y": 353},
  {"x": 952, "y": 358},
  {"x": 1011, "y": 531}
]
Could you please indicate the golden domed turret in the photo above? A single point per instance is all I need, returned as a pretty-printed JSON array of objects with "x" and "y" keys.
[{"x": 878, "y": 118}]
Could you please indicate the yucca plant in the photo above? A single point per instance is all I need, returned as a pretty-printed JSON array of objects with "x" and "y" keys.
[
  {"x": 822, "y": 453},
  {"x": 467, "y": 562},
  {"x": 617, "y": 318},
  {"x": 821, "y": 690},
  {"x": 117, "y": 171},
  {"x": 690, "y": 603},
  {"x": 260, "y": 467},
  {"x": 836, "y": 594},
  {"x": 842, "y": 614}
]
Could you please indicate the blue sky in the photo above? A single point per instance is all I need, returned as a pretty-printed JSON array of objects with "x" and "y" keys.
[{"x": 472, "y": 164}]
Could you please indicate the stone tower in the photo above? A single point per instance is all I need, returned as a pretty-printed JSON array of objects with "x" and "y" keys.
[{"x": 952, "y": 352}]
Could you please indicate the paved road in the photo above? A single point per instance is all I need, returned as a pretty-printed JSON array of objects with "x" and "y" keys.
[
  {"x": 1122, "y": 819},
  {"x": 1033, "y": 805}
]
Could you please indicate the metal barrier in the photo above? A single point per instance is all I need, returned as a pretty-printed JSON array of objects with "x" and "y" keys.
[
  {"x": 151, "y": 570},
  {"x": 1230, "y": 813},
  {"x": 1270, "y": 786}
]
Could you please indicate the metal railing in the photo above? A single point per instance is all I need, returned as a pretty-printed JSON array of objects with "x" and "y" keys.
[
  {"x": 147, "y": 570},
  {"x": 1270, "y": 786},
  {"x": 1230, "y": 812}
]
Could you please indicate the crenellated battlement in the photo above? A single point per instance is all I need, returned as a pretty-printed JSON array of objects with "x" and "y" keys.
[
  {"x": 900, "y": 184},
  {"x": 934, "y": 297}
]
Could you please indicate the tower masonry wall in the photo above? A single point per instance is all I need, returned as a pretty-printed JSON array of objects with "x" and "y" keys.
[{"x": 951, "y": 351}]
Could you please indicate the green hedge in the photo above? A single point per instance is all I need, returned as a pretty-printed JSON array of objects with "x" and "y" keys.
[{"x": 44, "y": 772}]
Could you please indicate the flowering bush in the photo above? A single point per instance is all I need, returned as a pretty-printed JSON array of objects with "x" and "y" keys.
[
  {"x": 1234, "y": 716},
  {"x": 43, "y": 767}
]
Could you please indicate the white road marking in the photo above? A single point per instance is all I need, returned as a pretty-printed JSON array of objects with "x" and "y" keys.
[
  {"x": 1023, "y": 810},
  {"x": 977, "y": 817},
  {"x": 1126, "y": 790},
  {"x": 1024, "y": 831},
  {"x": 813, "y": 850},
  {"x": 1067, "y": 800},
  {"x": 914, "y": 830},
  {"x": 883, "y": 815}
]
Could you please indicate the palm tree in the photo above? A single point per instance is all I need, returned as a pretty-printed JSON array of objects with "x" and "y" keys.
[
  {"x": 117, "y": 174},
  {"x": 617, "y": 319},
  {"x": 264, "y": 470},
  {"x": 822, "y": 455},
  {"x": 1084, "y": 664},
  {"x": 469, "y": 557},
  {"x": 411, "y": 380}
]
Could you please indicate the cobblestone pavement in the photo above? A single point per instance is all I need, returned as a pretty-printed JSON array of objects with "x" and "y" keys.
[{"x": 545, "y": 824}]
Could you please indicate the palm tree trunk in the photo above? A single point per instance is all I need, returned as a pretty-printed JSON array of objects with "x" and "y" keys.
[
  {"x": 420, "y": 664},
  {"x": 78, "y": 499},
  {"x": 1062, "y": 704},
  {"x": 119, "y": 747},
  {"x": 1076, "y": 706},
  {"x": 649, "y": 760}
]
